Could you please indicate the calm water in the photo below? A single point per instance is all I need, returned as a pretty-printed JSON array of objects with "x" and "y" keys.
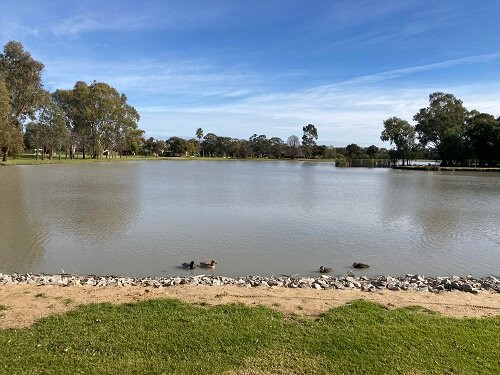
[{"x": 145, "y": 218}]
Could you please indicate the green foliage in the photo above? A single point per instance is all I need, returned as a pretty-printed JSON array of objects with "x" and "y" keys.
[
  {"x": 10, "y": 134},
  {"x": 21, "y": 82},
  {"x": 483, "y": 137},
  {"x": 441, "y": 125},
  {"x": 453, "y": 134},
  {"x": 309, "y": 139},
  {"x": 23, "y": 78},
  {"x": 293, "y": 146},
  {"x": 199, "y": 133},
  {"x": 165, "y": 336},
  {"x": 352, "y": 150},
  {"x": 177, "y": 146},
  {"x": 400, "y": 133}
]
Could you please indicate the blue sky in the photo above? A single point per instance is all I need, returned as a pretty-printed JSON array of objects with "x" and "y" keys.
[{"x": 269, "y": 67}]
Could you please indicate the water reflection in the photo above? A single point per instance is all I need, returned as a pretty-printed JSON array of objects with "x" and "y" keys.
[{"x": 22, "y": 238}]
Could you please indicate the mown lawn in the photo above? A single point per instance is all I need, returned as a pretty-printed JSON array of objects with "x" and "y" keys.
[{"x": 170, "y": 337}]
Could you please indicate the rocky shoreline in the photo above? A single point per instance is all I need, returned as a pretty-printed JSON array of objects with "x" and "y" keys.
[{"x": 467, "y": 284}]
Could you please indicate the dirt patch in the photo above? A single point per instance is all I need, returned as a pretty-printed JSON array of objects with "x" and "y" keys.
[{"x": 28, "y": 303}]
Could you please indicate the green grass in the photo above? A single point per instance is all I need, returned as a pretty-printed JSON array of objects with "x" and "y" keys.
[
  {"x": 170, "y": 337},
  {"x": 28, "y": 159},
  {"x": 31, "y": 160}
]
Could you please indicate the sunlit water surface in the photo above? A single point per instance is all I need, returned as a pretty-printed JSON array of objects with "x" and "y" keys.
[{"x": 146, "y": 218}]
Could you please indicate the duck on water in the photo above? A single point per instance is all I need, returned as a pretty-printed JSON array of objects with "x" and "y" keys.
[
  {"x": 190, "y": 265},
  {"x": 208, "y": 264},
  {"x": 360, "y": 265}
]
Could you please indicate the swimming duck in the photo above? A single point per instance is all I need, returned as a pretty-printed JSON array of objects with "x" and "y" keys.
[
  {"x": 323, "y": 269},
  {"x": 360, "y": 265},
  {"x": 190, "y": 265},
  {"x": 208, "y": 264}
]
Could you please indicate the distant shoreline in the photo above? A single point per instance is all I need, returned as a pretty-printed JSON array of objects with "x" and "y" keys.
[
  {"x": 436, "y": 168},
  {"x": 80, "y": 160},
  {"x": 55, "y": 160}
]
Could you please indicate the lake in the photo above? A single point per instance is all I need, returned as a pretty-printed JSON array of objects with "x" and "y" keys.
[{"x": 145, "y": 218}]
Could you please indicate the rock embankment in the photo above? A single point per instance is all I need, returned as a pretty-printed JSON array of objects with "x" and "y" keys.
[{"x": 468, "y": 283}]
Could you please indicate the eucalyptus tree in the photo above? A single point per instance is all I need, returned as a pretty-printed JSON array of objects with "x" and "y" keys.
[
  {"x": 260, "y": 145},
  {"x": 353, "y": 150},
  {"x": 66, "y": 100},
  {"x": 372, "y": 151},
  {"x": 52, "y": 126},
  {"x": 400, "y": 133},
  {"x": 192, "y": 147},
  {"x": 309, "y": 139},
  {"x": 122, "y": 134},
  {"x": 209, "y": 144},
  {"x": 277, "y": 147},
  {"x": 100, "y": 117},
  {"x": 11, "y": 137},
  {"x": 177, "y": 146},
  {"x": 441, "y": 125},
  {"x": 23, "y": 79},
  {"x": 293, "y": 143},
  {"x": 483, "y": 138}
]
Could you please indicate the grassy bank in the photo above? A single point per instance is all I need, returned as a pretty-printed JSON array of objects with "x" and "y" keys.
[
  {"x": 31, "y": 160},
  {"x": 167, "y": 336}
]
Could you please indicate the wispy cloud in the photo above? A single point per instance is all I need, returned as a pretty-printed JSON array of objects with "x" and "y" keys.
[
  {"x": 85, "y": 22},
  {"x": 396, "y": 73},
  {"x": 348, "y": 111}
]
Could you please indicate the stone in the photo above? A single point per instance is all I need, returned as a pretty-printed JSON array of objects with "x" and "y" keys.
[{"x": 468, "y": 288}]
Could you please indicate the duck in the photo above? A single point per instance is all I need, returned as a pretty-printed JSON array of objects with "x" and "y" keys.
[
  {"x": 360, "y": 265},
  {"x": 208, "y": 264},
  {"x": 323, "y": 269},
  {"x": 190, "y": 265}
]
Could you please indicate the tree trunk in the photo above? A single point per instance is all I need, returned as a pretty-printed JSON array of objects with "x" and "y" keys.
[
  {"x": 83, "y": 148},
  {"x": 5, "y": 152}
]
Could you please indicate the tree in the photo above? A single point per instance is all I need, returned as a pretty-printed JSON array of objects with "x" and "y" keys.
[
  {"x": 177, "y": 146},
  {"x": 483, "y": 138},
  {"x": 11, "y": 138},
  {"x": 352, "y": 150},
  {"x": 100, "y": 117},
  {"x": 371, "y": 151},
  {"x": 192, "y": 147},
  {"x": 33, "y": 137},
  {"x": 22, "y": 77},
  {"x": 309, "y": 139},
  {"x": 400, "y": 133},
  {"x": 51, "y": 130},
  {"x": 293, "y": 143},
  {"x": 277, "y": 147},
  {"x": 441, "y": 125},
  {"x": 209, "y": 144},
  {"x": 199, "y": 135},
  {"x": 260, "y": 145}
]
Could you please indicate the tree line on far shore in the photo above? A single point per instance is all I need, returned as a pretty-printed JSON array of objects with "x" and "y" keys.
[
  {"x": 259, "y": 146},
  {"x": 95, "y": 119}
]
